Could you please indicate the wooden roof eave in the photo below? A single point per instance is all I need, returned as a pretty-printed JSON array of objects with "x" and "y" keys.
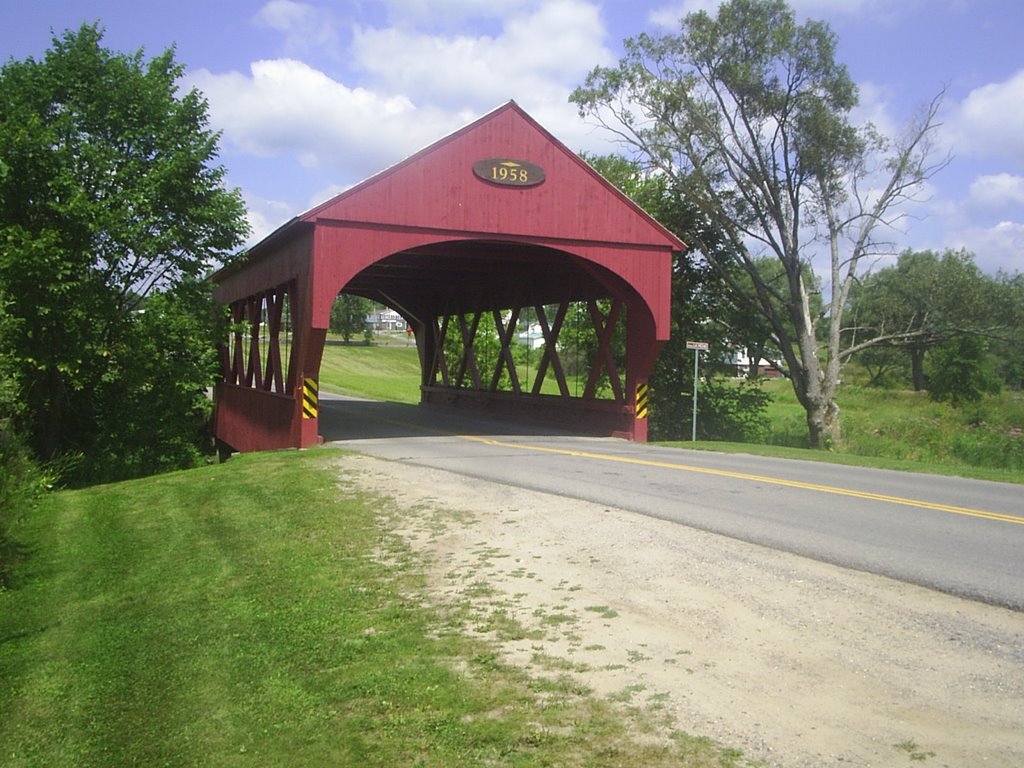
[{"x": 264, "y": 249}]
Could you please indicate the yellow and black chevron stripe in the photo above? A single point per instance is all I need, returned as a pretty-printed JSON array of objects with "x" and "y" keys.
[
  {"x": 641, "y": 401},
  {"x": 310, "y": 398}
]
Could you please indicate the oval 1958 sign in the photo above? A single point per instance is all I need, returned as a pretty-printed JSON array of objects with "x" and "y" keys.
[{"x": 509, "y": 173}]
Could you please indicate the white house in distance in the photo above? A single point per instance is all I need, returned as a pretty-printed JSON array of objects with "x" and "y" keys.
[
  {"x": 385, "y": 319},
  {"x": 532, "y": 337},
  {"x": 739, "y": 359}
]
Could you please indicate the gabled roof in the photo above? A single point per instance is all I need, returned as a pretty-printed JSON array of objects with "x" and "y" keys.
[{"x": 437, "y": 188}]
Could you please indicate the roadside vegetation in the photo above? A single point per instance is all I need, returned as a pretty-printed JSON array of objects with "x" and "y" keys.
[
  {"x": 260, "y": 612},
  {"x": 112, "y": 209},
  {"x": 908, "y": 425},
  {"x": 899, "y": 429}
]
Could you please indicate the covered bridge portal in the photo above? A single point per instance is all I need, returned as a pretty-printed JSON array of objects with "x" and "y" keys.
[{"x": 495, "y": 228}]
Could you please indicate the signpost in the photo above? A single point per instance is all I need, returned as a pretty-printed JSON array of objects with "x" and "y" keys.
[{"x": 697, "y": 347}]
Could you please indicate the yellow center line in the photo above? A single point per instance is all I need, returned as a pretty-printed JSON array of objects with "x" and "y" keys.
[{"x": 757, "y": 478}]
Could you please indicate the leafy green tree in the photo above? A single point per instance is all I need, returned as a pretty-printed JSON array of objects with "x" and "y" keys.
[
  {"x": 22, "y": 480},
  {"x": 156, "y": 382},
  {"x": 735, "y": 411},
  {"x": 348, "y": 316},
  {"x": 109, "y": 194},
  {"x": 703, "y": 308},
  {"x": 747, "y": 115},
  {"x": 482, "y": 332},
  {"x": 885, "y": 366},
  {"x": 960, "y": 372},
  {"x": 923, "y": 301},
  {"x": 1007, "y": 344}
]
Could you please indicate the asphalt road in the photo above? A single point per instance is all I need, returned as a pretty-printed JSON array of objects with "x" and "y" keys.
[{"x": 964, "y": 537}]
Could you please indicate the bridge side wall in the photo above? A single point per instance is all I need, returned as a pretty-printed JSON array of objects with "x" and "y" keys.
[{"x": 247, "y": 418}]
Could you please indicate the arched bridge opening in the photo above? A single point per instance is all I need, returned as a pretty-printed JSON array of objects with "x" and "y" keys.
[
  {"x": 545, "y": 301},
  {"x": 513, "y": 329}
]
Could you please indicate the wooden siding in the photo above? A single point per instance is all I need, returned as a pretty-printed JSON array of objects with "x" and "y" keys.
[{"x": 437, "y": 189}]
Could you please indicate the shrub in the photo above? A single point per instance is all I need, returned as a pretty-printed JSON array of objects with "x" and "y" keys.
[
  {"x": 727, "y": 409},
  {"x": 151, "y": 409},
  {"x": 732, "y": 410},
  {"x": 20, "y": 479},
  {"x": 22, "y": 482}
]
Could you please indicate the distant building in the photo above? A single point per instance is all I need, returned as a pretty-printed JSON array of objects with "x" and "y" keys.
[
  {"x": 532, "y": 337},
  {"x": 738, "y": 361},
  {"x": 385, "y": 320}
]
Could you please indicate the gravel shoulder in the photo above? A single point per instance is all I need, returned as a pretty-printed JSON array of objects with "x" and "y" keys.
[{"x": 794, "y": 662}]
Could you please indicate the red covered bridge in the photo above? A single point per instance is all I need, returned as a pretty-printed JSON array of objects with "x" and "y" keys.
[{"x": 495, "y": 225}]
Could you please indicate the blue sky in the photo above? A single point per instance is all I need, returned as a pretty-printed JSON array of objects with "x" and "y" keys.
[{"x": 314, "y": 96}]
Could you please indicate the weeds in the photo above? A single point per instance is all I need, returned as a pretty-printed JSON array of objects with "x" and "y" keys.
[
  {"x": 913, "y": 751},
  {"x": 984, "y": 439}
]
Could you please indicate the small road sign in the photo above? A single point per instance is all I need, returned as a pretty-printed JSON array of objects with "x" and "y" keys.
[{"x": 702, "y": 345}]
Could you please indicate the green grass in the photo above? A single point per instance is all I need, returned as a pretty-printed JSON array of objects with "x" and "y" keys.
[
  {"x": 389, "y": 370},
  {"x": 379, "y": 372},
  {"x": 259, "y": 612},
  {"x": 852, "y": 460}
]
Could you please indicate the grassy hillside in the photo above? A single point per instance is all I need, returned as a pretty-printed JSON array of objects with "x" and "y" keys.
[
  {"x": 260, "y": 613},
  {"x": 380, "y": 372}
]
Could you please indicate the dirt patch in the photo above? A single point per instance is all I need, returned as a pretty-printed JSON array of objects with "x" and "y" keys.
[{"x": 794, "y": 662}]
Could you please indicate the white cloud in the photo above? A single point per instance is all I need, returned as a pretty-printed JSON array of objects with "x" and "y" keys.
[
  {"x": 874, "y": 106},
  {"x": 448, "y": 12},
  {"x": 415, "y": 87},
  {"x": 997, "y": 192},
  {"x": 539, "y": 55},
  {"x": 327, "y": 193},
  {"x": 988, "y": 222},
  {"x": 284, "y": 106},
  {"x": 997, "y": 247},
  {"x": 990, "y": 121},
  {"x": 305, "y": 27},
  {"x": 668, "y": 15},
  {"x": 264, "y": 216}
]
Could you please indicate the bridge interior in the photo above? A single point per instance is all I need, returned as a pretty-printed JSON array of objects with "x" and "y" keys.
[{"x": 475, "y": 276}]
